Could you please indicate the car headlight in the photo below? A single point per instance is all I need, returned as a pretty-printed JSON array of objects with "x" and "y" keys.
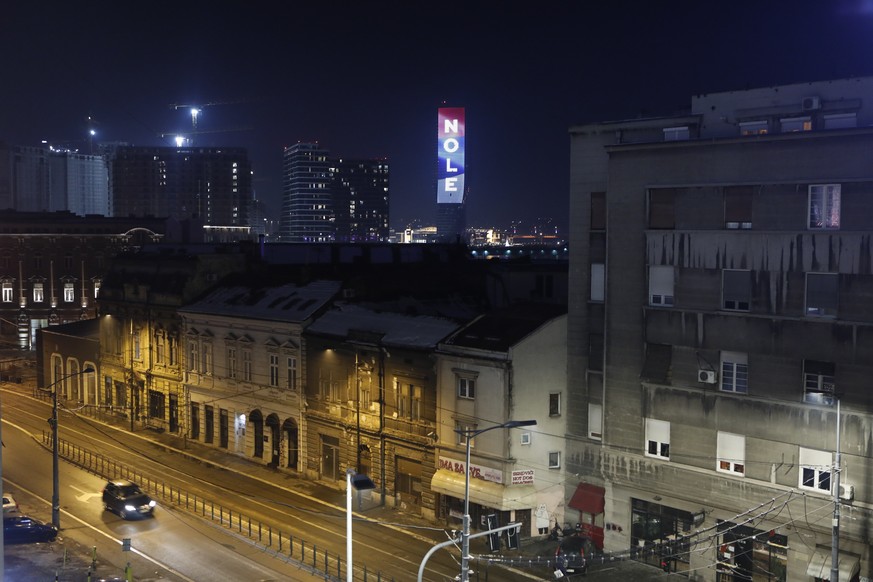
[
  {"x": 129, "y": 507},
  {"x": 152, "y": 503}
]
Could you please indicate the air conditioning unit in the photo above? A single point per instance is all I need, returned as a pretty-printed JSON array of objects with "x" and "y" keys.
[
  {"x": 810, "y": 103},
  {"x": 706, "y": 376},
  {"x": 847, "y": 492}
]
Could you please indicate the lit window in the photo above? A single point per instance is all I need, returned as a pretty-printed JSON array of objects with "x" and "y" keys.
[
  {"x": 657, "y": 438},
  {"x": 661, "y": 286},
  {"x": 818, "y": 382},
  {"x": 731, "y": 453},
  {"x": 815, "y": 470},
  {"x": 292, "y": 372},
  {"x": 734, "y": 372},
  {"x": 792, "y": 124},
  {"x": 69, "y": 293},
  {"x": 96, "y": 289},
  {"x": 7, "y": 292},
  {"x": 824, "y": 206},
  {"x": 274, "y": 370},
  {"x": 38, "y": 294},
  {"x": 758, "y": 127}
]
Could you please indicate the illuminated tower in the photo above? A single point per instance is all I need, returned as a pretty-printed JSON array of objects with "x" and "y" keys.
[{"x": 451, "y": 199}]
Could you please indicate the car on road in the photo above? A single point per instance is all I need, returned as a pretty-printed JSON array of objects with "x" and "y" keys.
[
  {"x": 571, "y": 555},
  {"x": 125, "y": 498},
  {"x": 10, "y": 506},
  {"x": 23, "y": 529}
]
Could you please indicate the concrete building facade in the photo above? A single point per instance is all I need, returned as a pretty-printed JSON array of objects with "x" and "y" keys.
[{"x": 719, "y": 321}]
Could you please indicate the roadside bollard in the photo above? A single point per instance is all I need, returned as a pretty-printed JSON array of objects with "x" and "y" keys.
[
  {"x": 128, "y": 573},
  {"x": 93, "y": 558}
]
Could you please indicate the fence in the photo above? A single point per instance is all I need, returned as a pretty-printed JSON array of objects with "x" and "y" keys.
[{"x": 282, "y": 544}]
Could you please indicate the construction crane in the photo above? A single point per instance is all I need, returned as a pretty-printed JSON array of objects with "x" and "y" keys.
[{"x": 196, "y": 110}]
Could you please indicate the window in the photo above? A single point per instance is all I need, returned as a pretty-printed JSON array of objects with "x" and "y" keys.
[
  {"x": 815, "y": 470},
  {"x": 292, "y": 372},
  {"x": 247, "y": 365},
  {"x": 206, "y": 360},
  {"x": 595, "y": 421},
  {"x": 676, "y": 133},
  {"x": 156, "y": 404},
  {"x": 818, "y": 382},
  {"x": 824, "y": 206},
  {"x": 554, "y": 460},
  {"x": 555, "y": 404},
  {"x": 791, "y": 124},
  {"x": 840, "y": 120},
  {"x": 137, "y": 350},
  {"x": 734, "y": 372},
  {"x": 524, "y": 438},
  {"x": 231, "y": 362},
  {"x": 462, "y": 429},
  {"x": 598, "y": 210},
  {"x": 466, "y": 387},
  {"x": 731, "y": 453},
  {"x": 408, "y": 400},
  {"x": 7, "y": 292},
  {"x": 209, "y": 423},
  {"x": 96, "y": 289},
  {"x": 661, "y": 286},
  {"x": 759, "y": 127},
  {"x": 193, "y": 350},
  {"x": 736, "y": 290},
  {"x": 738, "y": 207},
  {"x": 598, "y": 283},
  {"x": 274, "y": 369},
  {"x": 822, "y": 293},
  {"x": 657, "y": 438},
  {"x": 661, "y": 208},
  {"x": 69, "y": 293},
  {"x": 38, "y": 294},
  {"x": 160, "y": 346}
]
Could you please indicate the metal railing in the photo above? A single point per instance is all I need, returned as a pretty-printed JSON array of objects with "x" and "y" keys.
[{"x": 283, "y": 545}]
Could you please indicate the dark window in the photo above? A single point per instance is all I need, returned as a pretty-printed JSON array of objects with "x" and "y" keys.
[
  {"x": 209, "y": 423},
  {"x": 156, "y": 404},
  {"x": 195, "y": 421},
  {"x": 598, "y": 211},
  {"x": 736, "y": 290},
  {"x": 822, "y": 293},
  {"x": 818, "y": 382},
  {"x": 738, "y": 207},
  {"x": 662, "y": 208}
]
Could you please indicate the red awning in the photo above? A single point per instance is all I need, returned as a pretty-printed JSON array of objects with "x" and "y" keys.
[{"x": 588, "y": 498}]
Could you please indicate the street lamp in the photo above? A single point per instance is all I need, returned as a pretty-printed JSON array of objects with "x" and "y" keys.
[
  {"x": 469, "y": 434},
  {"x": 362, "y": 483},
  {"x": 56, "y": 495}
]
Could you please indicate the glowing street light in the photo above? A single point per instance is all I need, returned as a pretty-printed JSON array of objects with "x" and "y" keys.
[
  {"x": 56, "y": 495},
  {"x": 468, "y": 435}
]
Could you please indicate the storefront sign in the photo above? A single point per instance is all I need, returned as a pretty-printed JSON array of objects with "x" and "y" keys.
[
  {"x": 525, "y": 477},
  {"x": 476, "y": 471}
]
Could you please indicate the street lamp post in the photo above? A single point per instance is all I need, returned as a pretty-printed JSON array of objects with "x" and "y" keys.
[
  {"x": 56, "y": 495},
  {"x": 360, "y": 482},
  {"x": 468, "y": 435}
]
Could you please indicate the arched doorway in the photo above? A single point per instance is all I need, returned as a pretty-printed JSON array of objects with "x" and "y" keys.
[
  {"x": 289, "y": 429},
  {"x": 257, "y": 420},
  {"x": 272, "y": 423}
]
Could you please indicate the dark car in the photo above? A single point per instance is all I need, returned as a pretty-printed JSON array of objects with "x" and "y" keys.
[
  {"x": 22, "y": 529},
  {"x": 126, "y": 499},
  {"x": 571, "y": 555}
]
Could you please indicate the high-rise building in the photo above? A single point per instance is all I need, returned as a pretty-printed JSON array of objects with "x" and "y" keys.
[
  {"x": 451, "y": 219},
  {"x": 210, "y": 185},
  {"x": 79, "y": 183},
  {"x": 307, "y": 206},
  {"x": 720, "y": 334},
  {"x": 360, "y": 200}
]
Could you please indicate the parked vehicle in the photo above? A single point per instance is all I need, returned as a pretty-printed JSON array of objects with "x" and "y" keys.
[
  {"x": 23, "y": 529},
  {"x": 126, "y": 499},
  {"x": 571, "y": 555},
  {"x": 10, "y": 506}
]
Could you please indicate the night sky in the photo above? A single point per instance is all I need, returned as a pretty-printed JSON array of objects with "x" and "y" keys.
[{"x": 364, "y": 79}]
